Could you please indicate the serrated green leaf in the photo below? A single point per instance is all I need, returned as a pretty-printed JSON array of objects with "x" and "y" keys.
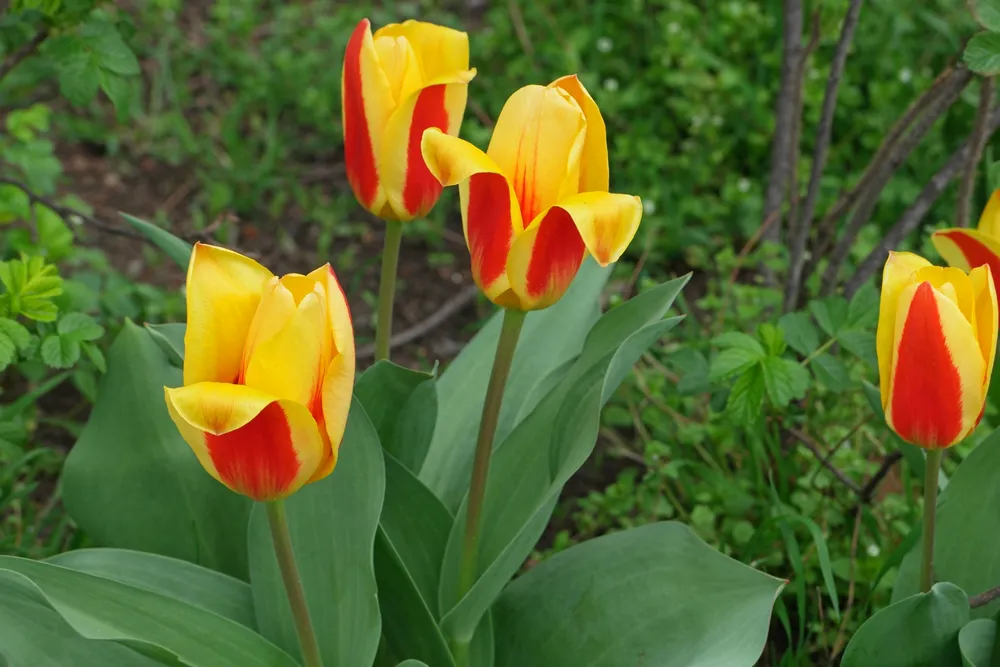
[
  {"x": 79, "y": 78},
  {"x": 59, "y": 352},
  {"x": 747, "y": 395},
  {"x": 96, "y": 356},
  {"x": 79, "y": 327},
  {"x": 862, "y": 311},
  {"x": 982, "y": 54},
  {"x": 800, "y": 333},
  {"x": 830, "y": 313},
  {"x": 831, "y": 372},
  {"x": 111, "y": 52},
  {"x": 8, "y": 351},
  {"x": 860, "y": 343},
  {"x": 731, "y": 362},
  {"x": 736, "y": 339},
  {"x": 773, "y": 339},
  {"x": 987, "y": 13},
  {"x": 784, "y": 380},
  {"x": 16, "y": 332},
  {"x": 119, "y": 91}
]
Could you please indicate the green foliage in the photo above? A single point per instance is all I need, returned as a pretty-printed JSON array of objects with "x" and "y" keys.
[{"x": 982, "y": 55}]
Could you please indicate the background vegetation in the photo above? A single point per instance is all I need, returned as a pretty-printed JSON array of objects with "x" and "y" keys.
[{"x": 220, "y": 120}]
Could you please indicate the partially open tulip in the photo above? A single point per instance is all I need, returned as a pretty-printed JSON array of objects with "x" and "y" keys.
[
  {"x": 936, "y": 340},
  {"x": 536, "y": 202},
  {"x": 969, "y": 248},
  {"x": 268, "y": 373},
  {"x": 406, "y": 78}
]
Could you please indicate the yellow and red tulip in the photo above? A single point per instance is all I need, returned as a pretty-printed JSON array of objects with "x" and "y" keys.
[
  {"x": 536, "y": 202},
  {"x": 268, "y": 373},
  {"x": 936, "y": 341},
  {"x": 969, "y": 248},
  {"x": 406, "y": 78}
]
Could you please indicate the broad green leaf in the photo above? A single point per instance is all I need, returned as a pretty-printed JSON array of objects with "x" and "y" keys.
[
  {"x": 79, "y": 78},
  {"x": 132, "y": 482},
  {"x": 33, "y": 634},
  {"x": 831, "y": 372},
  {"x": 982, "y": 54},
  {"x": 8, "y": 351},
  {"x": 830, "y": 313},
  {"x": 119, "y": 90},
  {"x": 784, "y": 380},
  {"x": 16, "y": 333},
  {"x": 747, "y": 395},
  {"x": 549, "y": 338},
  {"x": 988, "y": 12},
  {"x": 179, "y": 579},
  {"x": 967, "y": 537},
  {"x": 975, "y": 642},
  {"x": 150, "y": 623},
  {"x": 59, "y": 352},
  {"x": 412, "y": 663},
  {"x": 773, "y": 339},
  {"x": 79, "y": 327},
  {"x": 919, "y": 631},
  {"x": 740, "y": 341},
  {"x": 860, "y": 343},
  {"x": 694, "y": 369},
  {"x": 333, "y": 524},
  {"x": 862, "y": 311},
  {"x": 411, "y": 439},
  {"x": 54, "y": 237},
  {"x": 733, "y": 361},
  {"x": 109, "y": 49},
  {"x": 404, "y": 429},
  {"x": 532, "y": 464},
  {"x": 800, "y": 333},
  {"x": 170, "y": 338},
  {"x": 654, "y": 595},
  {"x": 96, "y": 356},
  {"x": 176, "y": 249}
]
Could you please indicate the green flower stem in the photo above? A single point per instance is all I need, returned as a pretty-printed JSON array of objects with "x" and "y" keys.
[
  {"x": 293, "y": 583},
  {"x": 931, "y": 469},
  {"x": 387, "y": 287},
  {"x": 513, "y": 320}
]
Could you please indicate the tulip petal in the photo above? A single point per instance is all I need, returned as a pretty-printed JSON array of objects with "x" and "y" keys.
[
  {"x": 544, "y": 259},
  {"x": 490, "y": 214},
  {"x": 967, "y": 248},
  {"x": 989, "y": 221},
  {"x": 606, "y": 222},
  {"x": 410, "y": 186},
  {"x": 594, "y": 162},
  {"x": 253, "y": 443},
  {"x": 936, "y": 389},
  {"x": 223, "y": 291},
  {"x": 288, "y": 365},
  {"x": 441, "y": 51},
  {"x": 986, "y": 316},
  {"x": 897, "y": 275},
  {"x": 537, "y": 143},
  {"x": 399, "y": 64},
  {"x": 366, "y": 103}
]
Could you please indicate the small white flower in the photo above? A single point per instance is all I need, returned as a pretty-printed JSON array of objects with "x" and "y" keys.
[
  {"x": 648, "y": 206},
  {"x": 873, "y": 550},
  {"x": 905, "y": 75},
  {"x": 611, "y": 84},
  {"x": 604, "y": 45},
  {"x": 743, "y": 185},
  {"x": 673, "y": 28}
]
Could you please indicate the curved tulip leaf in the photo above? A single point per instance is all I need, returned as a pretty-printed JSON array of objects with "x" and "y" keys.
[
  {"x": 653, "y": 595},
  {"x": 402, "y": 406},
  {"x": 210, "y": 590},
  {"x": 967, "y": 538},
  {"x": 549, "y": 338},
  {"x": 918, "y": 631},
  {"x": 411, "y": 663},
  {"x": 333, "y": 524},
  {"x": 170, "y": 338},
  {"x": 482, "y": 651},
  {"x": 33, "y": 634},
  {"x": 975, "y": 641},
  {"x": 175, "y": 248},
  {"x": 532, "y": 465},
  {"x": 132, "y": 482},
  {"x": 155, "y": 625}
]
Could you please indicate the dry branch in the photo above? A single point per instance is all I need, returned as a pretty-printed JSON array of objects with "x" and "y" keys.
[{"x": 978, "y": 141}]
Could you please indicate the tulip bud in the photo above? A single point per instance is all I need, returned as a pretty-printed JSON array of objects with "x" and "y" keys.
[
  {"x": 268, "y": 373},
  {"x": 969, "y": 248},
  {"x": 536, "y": 203},
  {"x": 936, "y": 341}
]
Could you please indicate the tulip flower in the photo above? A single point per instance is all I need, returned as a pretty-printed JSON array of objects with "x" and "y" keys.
[
  {"x": 969, "y": 248},
  {"x": 536, "y": 203},
  {"x": 268, "y": 373},
  {"x": 406, "y": 78},
  {"x": 936, "y": 340}
]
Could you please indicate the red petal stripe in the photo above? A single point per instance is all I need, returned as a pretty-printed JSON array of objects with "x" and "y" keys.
[
  {"x": 926, "y": 387},
  {"x": 422, "y": 190},
  {"x": 975, "y": 253},
  {"x": 359, "y": 156},
  {"x": 257, "y": 459},
  {"x": 556, "y": 255},
  {"x": 488, "y": 225}
]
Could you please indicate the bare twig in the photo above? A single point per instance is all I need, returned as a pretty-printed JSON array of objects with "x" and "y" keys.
[
  {"x": 435, "y": 319},
  {"x": 912, "y": 216},
  {"x": 827, "y": 228},
  {"x": 69, "y": 214},
  {"x": 824, "y": 132},
  {"x": 871, "y": 486},
  {"x": 881, "y": 176},
  {"x": 784, "y": 129},
  {"x": 14, "y": 59},
  {"x": 977, "y": 142},
  {"x": 984, "y": 598},
  {"x": 794, "y": 147},
  {"x": 815, "y": 448}
]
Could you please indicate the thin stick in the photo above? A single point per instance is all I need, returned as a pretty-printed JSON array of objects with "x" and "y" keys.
[
  {"x": 977, "y": 141},
  {"x": 824, "y": 132},
  {"x": 814, "y": 447},
  {"x": 425, "y": 326},
  {"x": 22, "y": 53}
]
